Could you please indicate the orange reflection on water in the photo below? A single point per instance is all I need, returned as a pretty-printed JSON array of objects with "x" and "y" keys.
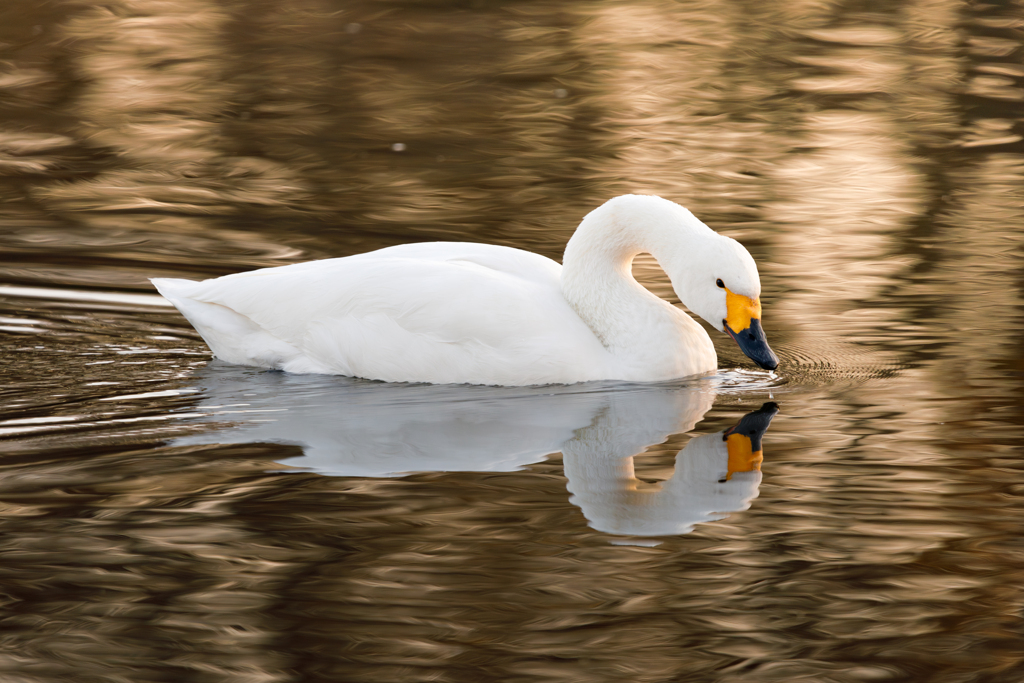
[{"x": 868, "y": 155}]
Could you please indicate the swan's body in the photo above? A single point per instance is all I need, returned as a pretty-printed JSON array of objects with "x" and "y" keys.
[{"x": 450, "y": 312}]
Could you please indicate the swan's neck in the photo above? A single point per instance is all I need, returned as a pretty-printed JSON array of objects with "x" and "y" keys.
[{"x": 597, "y": 278}]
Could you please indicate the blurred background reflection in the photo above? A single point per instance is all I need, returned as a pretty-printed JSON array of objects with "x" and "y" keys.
[{"x": 165, "y": 519}]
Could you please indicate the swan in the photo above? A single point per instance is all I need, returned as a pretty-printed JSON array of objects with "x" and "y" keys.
[{"x": 464, "y": 313}]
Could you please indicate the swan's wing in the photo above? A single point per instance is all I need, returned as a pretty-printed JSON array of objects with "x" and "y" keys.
[{"x": 443, "y": 313}]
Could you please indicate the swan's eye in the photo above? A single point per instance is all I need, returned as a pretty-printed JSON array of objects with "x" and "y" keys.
[{"x": 720, "y": 283}]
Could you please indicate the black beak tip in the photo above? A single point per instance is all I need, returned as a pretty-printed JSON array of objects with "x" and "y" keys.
[{"x": 754, "y": 345}]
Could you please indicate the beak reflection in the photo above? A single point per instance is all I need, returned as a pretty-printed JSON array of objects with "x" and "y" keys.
[{"x": 743, "y": 441}]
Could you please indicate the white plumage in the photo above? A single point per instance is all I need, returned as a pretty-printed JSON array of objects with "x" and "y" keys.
[{"x": 450, "y": 312}]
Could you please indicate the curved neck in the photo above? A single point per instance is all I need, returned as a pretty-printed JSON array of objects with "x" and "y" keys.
[{"x": 597, "y": 279}]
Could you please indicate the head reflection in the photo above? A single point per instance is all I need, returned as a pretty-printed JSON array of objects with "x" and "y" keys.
[{"x": 357, "y": 428}]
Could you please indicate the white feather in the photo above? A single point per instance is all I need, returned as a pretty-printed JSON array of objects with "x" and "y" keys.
[{"x": 450, "y": 312}]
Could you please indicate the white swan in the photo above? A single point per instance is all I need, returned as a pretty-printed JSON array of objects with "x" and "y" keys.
[{"x": 453, "y": 313}]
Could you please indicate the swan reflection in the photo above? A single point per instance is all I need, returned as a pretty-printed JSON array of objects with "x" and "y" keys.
[{"x": 356, "y": 428}]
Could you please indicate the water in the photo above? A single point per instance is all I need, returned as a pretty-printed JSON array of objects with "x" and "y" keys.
[{"x": 168, "y": 518}]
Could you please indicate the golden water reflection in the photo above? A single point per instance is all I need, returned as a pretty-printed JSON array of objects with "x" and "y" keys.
[{"x": 870, "y": 156}]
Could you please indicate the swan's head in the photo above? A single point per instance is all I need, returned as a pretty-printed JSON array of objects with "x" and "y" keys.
[
  {"x": 711, "y": 273},
  {"x": 722, "y": 287}
]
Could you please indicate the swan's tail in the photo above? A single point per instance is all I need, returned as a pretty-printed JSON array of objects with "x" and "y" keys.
[
  {"x": 231, "y": 336},
  {"x": 174, "y": 289}
]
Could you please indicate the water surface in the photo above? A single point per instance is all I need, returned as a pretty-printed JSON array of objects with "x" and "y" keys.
[{"x": 168, "y": 518}]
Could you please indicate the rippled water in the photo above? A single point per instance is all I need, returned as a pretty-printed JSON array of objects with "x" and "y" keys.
[{"x": 168, "y": 518}]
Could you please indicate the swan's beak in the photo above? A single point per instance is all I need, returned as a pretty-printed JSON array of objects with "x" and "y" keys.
[
  {"x": 743, "y": 324},
  {"x": 744, "y": 440}
]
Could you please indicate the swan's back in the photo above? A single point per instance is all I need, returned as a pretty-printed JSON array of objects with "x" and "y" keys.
[{"x": 441, "y": 312}]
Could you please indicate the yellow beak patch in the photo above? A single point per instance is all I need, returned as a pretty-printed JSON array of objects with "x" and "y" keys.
[
  {"x": 742, "y": 457},
  {"x": 740, "y": 310}
]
